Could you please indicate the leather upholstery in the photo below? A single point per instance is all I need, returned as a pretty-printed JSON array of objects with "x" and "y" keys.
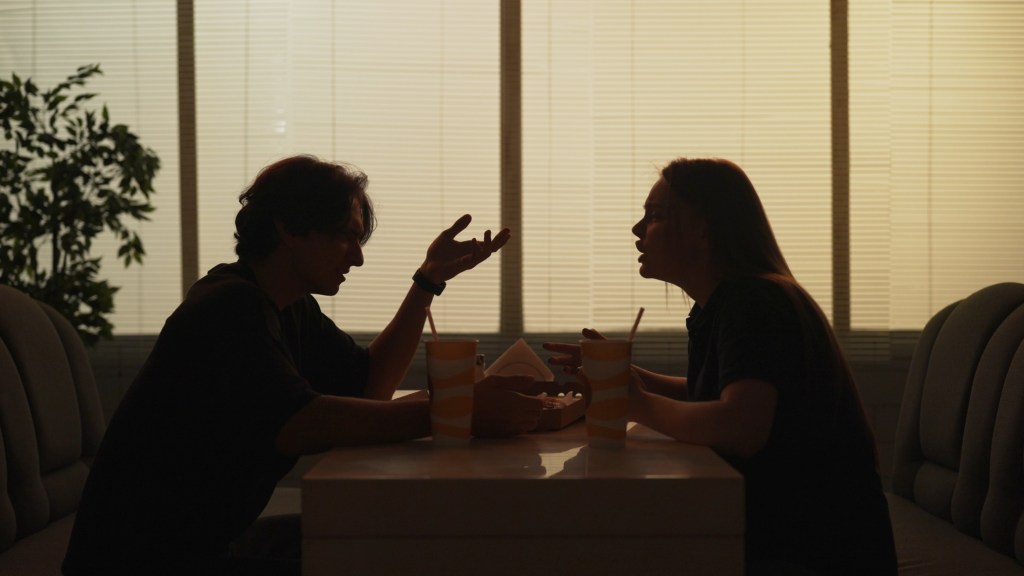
[
  {"x": 51, "y": 423},
  {"x": 960, "y": 437}
]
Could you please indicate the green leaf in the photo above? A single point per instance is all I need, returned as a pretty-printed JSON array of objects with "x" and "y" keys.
[
  {"x": 56, "y": 101},
  {"x": 58, "y": 168}
]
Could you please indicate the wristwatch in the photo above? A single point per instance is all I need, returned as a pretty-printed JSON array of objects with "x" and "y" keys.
[{"x": 422, "y": 281}]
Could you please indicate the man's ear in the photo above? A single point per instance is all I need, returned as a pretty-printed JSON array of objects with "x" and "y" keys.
[{"x": 284, "y": 237}]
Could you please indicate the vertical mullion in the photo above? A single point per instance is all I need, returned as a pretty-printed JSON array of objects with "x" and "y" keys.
[
  {"x": 187, "y": 145},
  {"x": 840, "y": 80},
  {"x": 511, "y": 302}
]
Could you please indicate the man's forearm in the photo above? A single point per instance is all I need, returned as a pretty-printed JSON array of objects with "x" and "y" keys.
[
  {"x": 332, "y": 421},
  {"x": 392, "y": 350}
]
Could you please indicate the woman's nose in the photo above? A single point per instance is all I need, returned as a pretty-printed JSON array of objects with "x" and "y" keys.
[{"x": 638, "y": 229}]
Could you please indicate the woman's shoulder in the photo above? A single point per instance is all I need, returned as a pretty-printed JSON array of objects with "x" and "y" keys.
[
  {"x": 759, "y": 301},
  {"x": 757, "y": 290}
]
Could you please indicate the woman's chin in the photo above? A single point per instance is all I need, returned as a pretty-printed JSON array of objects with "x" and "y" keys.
[{"x": 649, "y": 274}]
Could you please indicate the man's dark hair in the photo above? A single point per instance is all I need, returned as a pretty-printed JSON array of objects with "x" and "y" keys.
[{"x": 304, "y": 194}]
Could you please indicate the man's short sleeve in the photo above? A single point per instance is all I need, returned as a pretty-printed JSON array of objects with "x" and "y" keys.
[
  {"x": 255, "y": 370},
  {"x": 327, "y": 357}
]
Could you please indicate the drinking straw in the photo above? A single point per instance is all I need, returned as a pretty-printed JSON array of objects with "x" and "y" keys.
[
  {"x": 632, "y": 331},
  {"x": 433, "y": 329}
]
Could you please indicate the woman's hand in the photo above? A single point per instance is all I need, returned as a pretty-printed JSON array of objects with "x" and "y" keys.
[
  {"x": 570, "y": 358},
  {"x": 638, "y": 398},
  {"x": 448, "y": 257},
  {"x": 637, "y": 393}
]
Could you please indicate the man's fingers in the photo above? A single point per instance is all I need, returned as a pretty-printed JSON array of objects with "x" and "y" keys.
[
  {"x": 525, "y": 402},
  {"x": 461, "y": 224},
  {"x": 569, "y": 358},
  {"x": 503, "y": 410},
  {"x": 500, "y": 239},
  {"x": 510, "y": 383},
  {"x": 491, "y": 245},
  {"x": 561, "y": 347}
]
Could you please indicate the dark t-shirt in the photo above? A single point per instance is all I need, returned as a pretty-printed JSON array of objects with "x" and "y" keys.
[
  {"x": 814, "y": 497},
  {"x": 188, "y": 460}
]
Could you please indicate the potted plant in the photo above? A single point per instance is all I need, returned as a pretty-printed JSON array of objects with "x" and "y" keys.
[{"x": 67, "y": 173}]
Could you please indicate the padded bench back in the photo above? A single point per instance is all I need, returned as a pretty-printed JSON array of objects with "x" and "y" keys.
[
  {"x": 51, "y": 421},
  {"x": 960, "y": 438}
]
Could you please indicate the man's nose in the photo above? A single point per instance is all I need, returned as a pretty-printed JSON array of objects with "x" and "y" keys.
[{"x": 357, "y": 254}]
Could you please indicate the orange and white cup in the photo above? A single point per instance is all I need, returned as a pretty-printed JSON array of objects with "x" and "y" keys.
[
  {"x": 606, "y": 364},
  {"x": 450, "y": 370}
]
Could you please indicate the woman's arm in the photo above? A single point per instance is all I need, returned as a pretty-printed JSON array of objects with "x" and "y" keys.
[
  {"x": 672, "y": 386},
  {"x": 738, "y": 424},
  {"x": 570, "y": 359}
]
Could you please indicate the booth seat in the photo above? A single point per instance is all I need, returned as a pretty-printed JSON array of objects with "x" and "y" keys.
[
  {"x": 51, "y": 423},
  {"x": 957, "y": 496}
]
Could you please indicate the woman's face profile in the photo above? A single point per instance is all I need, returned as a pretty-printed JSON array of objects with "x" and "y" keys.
[{"x": 670, "y": 238}]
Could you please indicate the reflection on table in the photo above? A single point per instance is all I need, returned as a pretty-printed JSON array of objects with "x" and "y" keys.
[{"x": 521, "y": 505}]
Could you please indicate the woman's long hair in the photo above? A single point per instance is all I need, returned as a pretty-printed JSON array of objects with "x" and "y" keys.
[
  {"x": 741, "y": 239},
  {"x": 743, "y": 245}
]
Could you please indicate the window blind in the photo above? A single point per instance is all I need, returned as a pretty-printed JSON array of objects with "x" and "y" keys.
[
  {"x": 612, "y": 90},
  {"x": 937, "y": 91},
  {"x": 134, "y": 44},
  {"x": 405, "y": 91},
  {"x": 615, "y": 90}
]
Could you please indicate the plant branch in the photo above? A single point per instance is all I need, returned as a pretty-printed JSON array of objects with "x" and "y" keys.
[{"x": 72, "y": 175}]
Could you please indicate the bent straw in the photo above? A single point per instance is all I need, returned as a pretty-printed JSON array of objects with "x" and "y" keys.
[
  {"x": 632, "y": 331},
  {"x": 433, "y": 329}
]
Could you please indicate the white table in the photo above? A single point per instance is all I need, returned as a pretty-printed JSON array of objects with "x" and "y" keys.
[{"x": 534, "y": 504}]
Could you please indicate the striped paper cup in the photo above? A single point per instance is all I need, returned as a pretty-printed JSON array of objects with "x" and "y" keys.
[
  {"x": 606, "y": 364},
  {"x": 450, "y": 370}
]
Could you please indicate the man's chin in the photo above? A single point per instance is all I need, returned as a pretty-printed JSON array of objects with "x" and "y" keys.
[{"x": 327, "y": 290}]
